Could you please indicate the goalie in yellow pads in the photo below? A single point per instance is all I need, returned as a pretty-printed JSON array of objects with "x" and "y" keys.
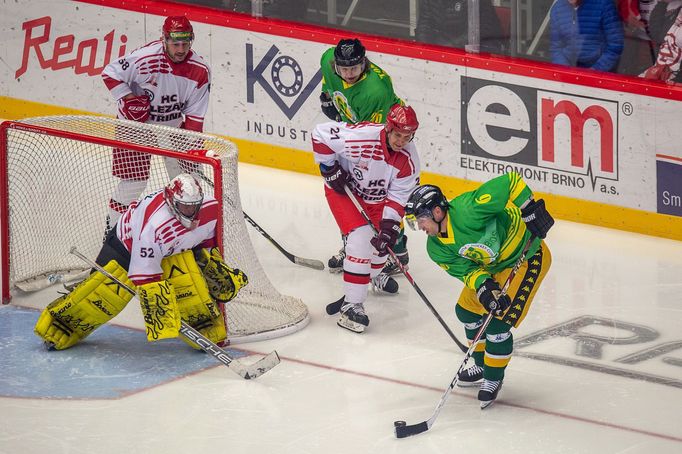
[{"x": 164, "y": 246}]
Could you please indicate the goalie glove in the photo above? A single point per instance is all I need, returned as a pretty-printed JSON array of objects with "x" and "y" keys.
[
  {"x": 490, "y": 296},
  {"x": 136, "y": 108},
  {"x": 223, "y": 282}
]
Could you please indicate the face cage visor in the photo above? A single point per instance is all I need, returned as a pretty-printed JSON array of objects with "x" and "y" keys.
[
  {"x": 187, "y": 212},
  {"x": 413, "y": 219},
  {"x": 349, "y": 72}
]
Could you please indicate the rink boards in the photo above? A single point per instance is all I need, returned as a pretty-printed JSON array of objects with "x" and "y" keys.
[{"x": 601, "y": 149}]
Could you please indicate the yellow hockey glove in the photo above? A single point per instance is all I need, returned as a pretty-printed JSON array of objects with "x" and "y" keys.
[
  {"x": 95, "y": 301},
  {"x": 160, "y": 310},
  {"x": 223, "y": 282}
]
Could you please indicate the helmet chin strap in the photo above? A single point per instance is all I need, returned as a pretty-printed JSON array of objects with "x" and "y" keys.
[{"x": 440, "y": 223}]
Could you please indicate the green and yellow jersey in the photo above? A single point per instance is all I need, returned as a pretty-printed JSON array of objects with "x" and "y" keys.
[
  {"x": 368, "y": 99},
  {"x": 485, "y": 232}
]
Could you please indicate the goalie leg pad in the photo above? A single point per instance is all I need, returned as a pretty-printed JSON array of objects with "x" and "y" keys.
[
  {"x": 160, "y": 310},
  {"x": 195, "y": 304},
  {"x": 223, "y": 282},
  {"x": 95, "y": 301}
]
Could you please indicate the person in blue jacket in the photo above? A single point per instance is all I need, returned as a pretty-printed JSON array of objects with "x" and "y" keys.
[{"x": 586, "y": 34}]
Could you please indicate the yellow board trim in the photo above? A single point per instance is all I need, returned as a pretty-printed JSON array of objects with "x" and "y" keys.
[{"x": 263, "y": 154}]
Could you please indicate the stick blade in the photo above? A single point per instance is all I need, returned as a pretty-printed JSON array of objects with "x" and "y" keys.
[
  {"x": 335, "y": 307},
  {"x": 310, "y": 263},
  {"x": 260, "y": 367},
  {"x": 408, "y": 431}
]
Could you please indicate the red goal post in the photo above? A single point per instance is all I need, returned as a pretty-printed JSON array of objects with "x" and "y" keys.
[{"x": 55, "y": 175}]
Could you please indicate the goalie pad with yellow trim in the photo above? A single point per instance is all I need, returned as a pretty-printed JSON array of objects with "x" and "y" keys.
[
  {"x": 223, "y": 282},
  {"x": 160, "y": 310},
  {"x": 195, "y": 304},
  {"x": 95, "y": 301}
]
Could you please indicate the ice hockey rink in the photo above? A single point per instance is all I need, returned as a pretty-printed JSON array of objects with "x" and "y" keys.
[{"x": 597, "y": 366}]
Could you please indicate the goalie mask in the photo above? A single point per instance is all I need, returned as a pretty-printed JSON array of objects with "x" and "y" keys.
[
  {"x": 184, "y": 197},
  {"x": 421, "y": 203}
]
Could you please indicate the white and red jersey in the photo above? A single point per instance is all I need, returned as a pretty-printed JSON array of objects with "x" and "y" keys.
[
  {"x": 378, "y": 175},
  {"x": 175, "y": 89},
  {"x": 149, "y": 231}
]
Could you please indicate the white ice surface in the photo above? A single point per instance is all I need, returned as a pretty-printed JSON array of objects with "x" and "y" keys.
[{"x": 339, "y": 392}]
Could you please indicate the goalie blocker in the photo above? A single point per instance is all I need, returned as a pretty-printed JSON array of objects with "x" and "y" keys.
[{"x": 171, "y": 286}]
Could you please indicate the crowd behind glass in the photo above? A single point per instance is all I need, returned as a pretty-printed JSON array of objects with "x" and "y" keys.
[{"x": 638, "y": 38}]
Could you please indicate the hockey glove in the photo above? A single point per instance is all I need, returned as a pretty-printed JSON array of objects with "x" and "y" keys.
[
  {"x": 335, "y": 177},
  {"x": 389, "y": 230},
  {"x": 136, "y": 108},
  {"x": 223, "y": 282},
  {"x": 328, "y": 107},
  {"x": 490, "y": 296},
  {"x": 538, "y": 220}
]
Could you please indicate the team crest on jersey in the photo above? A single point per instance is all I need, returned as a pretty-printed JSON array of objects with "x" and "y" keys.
[
  {"x": 149, "y": 93},
  {"x": 483, "y": 198},
  {"x": 342, "y": 105},
  {"x": 478, "y": 252},
  {"x": 357, "y": 173}
]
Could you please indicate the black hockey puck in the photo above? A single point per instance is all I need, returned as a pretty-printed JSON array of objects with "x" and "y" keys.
[{"x": 399, "y": 423}]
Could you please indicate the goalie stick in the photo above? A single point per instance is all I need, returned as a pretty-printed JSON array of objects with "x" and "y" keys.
[
  {"x": 335, "y": 307},
  {"x": 402, "y": 430},
  {"x": 310, "y": 263},
  {"x": 245, "y": 371}
]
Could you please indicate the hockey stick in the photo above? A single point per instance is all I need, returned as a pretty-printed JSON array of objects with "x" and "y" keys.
[
  {"x": 310, "y": 263},
  {"x": 247, "y": 372},
  {"x": 402, "y": 430},
  {"x": 332, "y": 309}
]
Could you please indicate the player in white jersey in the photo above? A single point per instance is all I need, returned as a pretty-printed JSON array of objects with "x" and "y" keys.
[
  {"x": 164, "y": 82},
  {"x": 160, "y": 246},
  {"x": 380, "y": 164}
]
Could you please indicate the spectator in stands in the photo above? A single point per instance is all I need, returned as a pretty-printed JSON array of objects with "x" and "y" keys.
[
  {"x": 638, "y": 50},
  {"x": 445, "y": 22},
  {"x": 665, "y": 28},
  {"x": 586, "y": 34}
]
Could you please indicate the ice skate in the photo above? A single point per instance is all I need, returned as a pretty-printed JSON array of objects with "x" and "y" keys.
[{"x": 353, "y": 318}]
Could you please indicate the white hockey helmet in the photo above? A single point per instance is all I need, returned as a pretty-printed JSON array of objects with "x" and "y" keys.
[{"x": 184, "y": 197}]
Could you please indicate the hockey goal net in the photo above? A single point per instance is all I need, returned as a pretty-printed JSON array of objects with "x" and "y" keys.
[{"x": 56, "y": 179}]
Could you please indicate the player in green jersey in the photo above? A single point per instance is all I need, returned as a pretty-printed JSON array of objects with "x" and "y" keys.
[
  {"x": 355, "y": 90},
  {"x": 477, "y": 237}
]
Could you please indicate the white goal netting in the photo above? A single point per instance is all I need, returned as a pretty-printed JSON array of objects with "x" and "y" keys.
[{"x": 58, "y": 172}]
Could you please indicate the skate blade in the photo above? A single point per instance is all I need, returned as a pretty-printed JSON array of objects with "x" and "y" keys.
[
  {"x": 350, "y": 325},
  {"x": 470, "y": 384},
  {"x": 486, "y": 404}
]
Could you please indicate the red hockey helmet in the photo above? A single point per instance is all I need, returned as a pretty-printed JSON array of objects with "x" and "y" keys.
[
  {"x": 177, "y": 28},
  {"x": 402, "y": 118},
  {"x": 184, "y": 197}
]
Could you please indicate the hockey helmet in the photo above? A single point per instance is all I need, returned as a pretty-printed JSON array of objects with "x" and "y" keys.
[
  {"x": 421, "y": 203},
  {"x": 349, "y": 52},
  {"x": 184, "y": 197},
  {"x": 402, "y": 118},
  {"x": 177, "y": 28}
]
